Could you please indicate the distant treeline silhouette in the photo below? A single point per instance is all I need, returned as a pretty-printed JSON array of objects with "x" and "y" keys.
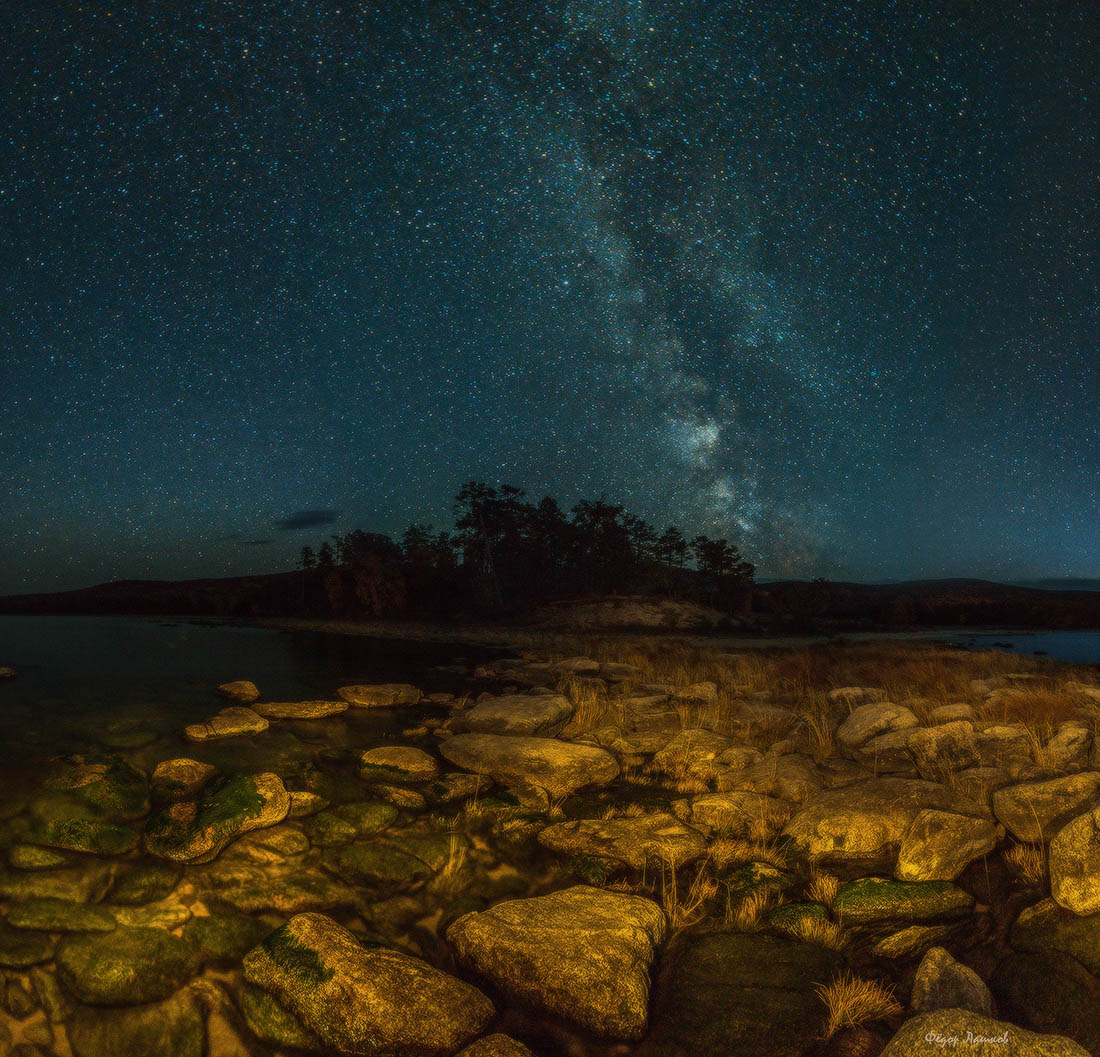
[{"x": 505, "y": 552}]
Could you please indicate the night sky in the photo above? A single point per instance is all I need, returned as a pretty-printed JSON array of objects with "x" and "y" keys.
[{"x": 821, "y": 278}]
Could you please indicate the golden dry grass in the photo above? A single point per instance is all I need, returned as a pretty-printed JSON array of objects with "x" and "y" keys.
[
  {"x": 687, "y": 908},
  {"x": 593, "y": 707},
  {"x": 1028, "y": 862},
  {"x": 726, "y": 852},
  {"x": 852, "y": 1000},
  {"x": 748, "y": 913},
  {"x": 822, "y": 931},
  {"x": 822, "y": 888}
]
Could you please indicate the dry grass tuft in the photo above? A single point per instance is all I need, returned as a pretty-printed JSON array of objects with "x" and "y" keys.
[
  {"x": 1029, "y": 863},
  {"x": 822, "y": 931},
  {"x": 593, "y": 707},
  {"x": 852, "y": 1000},
  {"x": 691, "y": 907},
  {"x": 449, "y": 879},
  {"x": 747, "y": 915},
  {"x": 725, "y": 852},
  {"x": 822, "y": 888}
]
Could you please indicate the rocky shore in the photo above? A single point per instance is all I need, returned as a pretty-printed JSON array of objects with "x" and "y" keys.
[{"x": 632, "y": 852}]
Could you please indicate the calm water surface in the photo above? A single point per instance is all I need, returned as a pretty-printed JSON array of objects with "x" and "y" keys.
[{"x": 1074, "y": 647}]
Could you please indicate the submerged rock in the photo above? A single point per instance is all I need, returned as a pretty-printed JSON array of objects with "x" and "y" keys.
[
  {"x": 532, "y": 715},
  {"x": 380, "y": 695},
  {"x": 20, "y": 948},
  {"x": 126, "y": 967},
  {"x": 736, "y": 993},
  {"x": 181, "y": 778},
  {"x": 170, "y": 1028},
  {"x": 348, "y": 822},
  {"x": 195, "y": 831},
  {"x": 145, "y": 882},
  {"x": 582, "y": 954},
  {"x": 299, "y": 709},
  {"x": 557, "y": 767},
  {"x": 60, "y": 915},
  {"x": 240, "y": 690},
  {"x": 932, "y": 1033},
  {"x": 228, "y": 723},
  {"x": 1046, "y": 926},
  {"x": 637, "y": 842},
  {"x": 369, "y": 1002},
  {"x": 397, "y": 762}
]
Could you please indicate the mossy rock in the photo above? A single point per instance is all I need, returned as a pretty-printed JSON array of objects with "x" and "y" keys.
[
  {"x": 270, "y": 1022},
  {"x": 348, "y": 822},
  {"x": 378, "y": 865},
  {"x": 60, "y": 915},
  {"x": 592, "y": 869},
  {"x": 145, "y": 882},
  {"x": 196, "y": 831},
  {"x": 224, "y": 937},
  {"x": 35, "y": 857},
  {"x": 125, "y": 967},
  {"x": 733, "y": 994},
  {"x": 753, "y": 877},
  {"x": 108, "y": 785},
  {"x": 128, "y": 736},
  {"x": 432, "y": 849},
  {"x": 19, "y": 948},
  {"x": 169, "y": 1028},
  {"x": 86, "y": 883},
  {"x": 790, "y": 917},
  {"x": 94, "y": 835},
  {"x": 881, "y": 899}
]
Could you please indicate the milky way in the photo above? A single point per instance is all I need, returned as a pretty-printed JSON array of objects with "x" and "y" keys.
[{"x": 819, "y": 278}]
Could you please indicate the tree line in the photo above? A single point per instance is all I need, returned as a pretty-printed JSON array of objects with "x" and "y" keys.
[{"x": 505, "y": 551}]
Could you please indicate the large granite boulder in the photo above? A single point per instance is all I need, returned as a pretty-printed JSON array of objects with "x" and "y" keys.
[
  {"x": 299, "y": 709},
  {"x": 582, "y": 954},
  {"x": 736, "y": 814},
  {"x": 637, "y": 842},
  {"x": 943, "y": 983},
  {"x": 242, "y": 691},
  {"x": 1046, "y": 927},
  {"x": 1075, "y": 864},
  {"x": 557, "y": 767},
  {"x": 939, "y": 845},
  {"x": 528, "y": 715},
  {"x": 872, "y": 720},
  {"x": 180, "y": 778},
  {"x": 736, "y": 994},
  {"x": 863, "y": 824},
  {"x": 194, "y": 831},
  {"x": 943, "y": 749},
  {"x": 360, "y": 1001},
  {"x": 1036, "y": 811},
  {"x": 880, "y": 899},
  {"x": 401, "y": 763}
]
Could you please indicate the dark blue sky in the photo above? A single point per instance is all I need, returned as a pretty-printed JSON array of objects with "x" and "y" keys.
[{"x": 821, "y": 278}]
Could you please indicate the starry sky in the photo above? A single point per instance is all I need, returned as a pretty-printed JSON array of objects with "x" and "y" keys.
[{"x": 820, "y": 278}]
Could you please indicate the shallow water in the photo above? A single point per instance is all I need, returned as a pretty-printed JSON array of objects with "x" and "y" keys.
[{"x": 1074, "y": 647}]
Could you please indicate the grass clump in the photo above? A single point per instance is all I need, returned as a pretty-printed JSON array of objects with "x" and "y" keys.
[{"x": 852, "y": 1000}]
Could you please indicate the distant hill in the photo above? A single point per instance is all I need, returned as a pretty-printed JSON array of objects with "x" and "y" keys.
[{"x": 791, "y": 605}]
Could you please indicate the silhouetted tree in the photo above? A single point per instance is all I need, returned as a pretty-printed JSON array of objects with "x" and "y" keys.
[
  {"x": 308, "y": 559},
  {"x": 672, "y": 547},
  {"x": 326, "y": 557}
]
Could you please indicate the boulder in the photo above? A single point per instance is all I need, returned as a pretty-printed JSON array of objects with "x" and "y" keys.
[
  {"x": 557, "y": 767},
  {"x": 644, "y": 840},
  {"x": 1051, "y": 992},
  {"x": 126, "y": 967},
  {"x": 942, "y": 983},
  {"x": 497, "y": 1045},
  {"x": 299, "y": 709},
  {"x": 60, "y": 915},
  {"x": 20, "y": 948},
  {"x": 790, "y": 777},
  {"x": 946, "y": 1030},
  {"x": 1075, "y": 864},
  {"x": 738, "y": 814},
  {"x": 880, "y": 899},
  {"x": 170, "y": 1028},
  {"x": 939, "y": 845},
  {"x": 854, "y": 696},
  {"x": 194, "y": 831},
  {"x": 530, "y": 715},
  {"x": 942, "y": 749},
  {"x": 1070, "y": 748},
  {"x": 180, "y": 779},
  {"x": 862, "y": 824},
  {"x": 380, "y": 695},
  {"x": 362, "y": 1001},
  {"x": 951, "y": 713},
  {"x": 911, "y": 941},
  {"x": 737, "y": 994},
  {"x": 582, "y": 954},
  {"x": 230, "y": 722},
  {"x": 871, "y": 721},
  {"x": 1046, "y": 927},
  {"x": 1036, "y": 811},
  {"x": 1006, "y": 746},
  {"x": 397, "y": 763},
  {"x": 688, "y": 749},
  {"x": 241, "y": 691}
]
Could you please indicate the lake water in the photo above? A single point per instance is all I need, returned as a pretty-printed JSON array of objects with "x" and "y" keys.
[
  {"x": 80, "y": 676},
  {"x": 1074, "y": 647}
]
